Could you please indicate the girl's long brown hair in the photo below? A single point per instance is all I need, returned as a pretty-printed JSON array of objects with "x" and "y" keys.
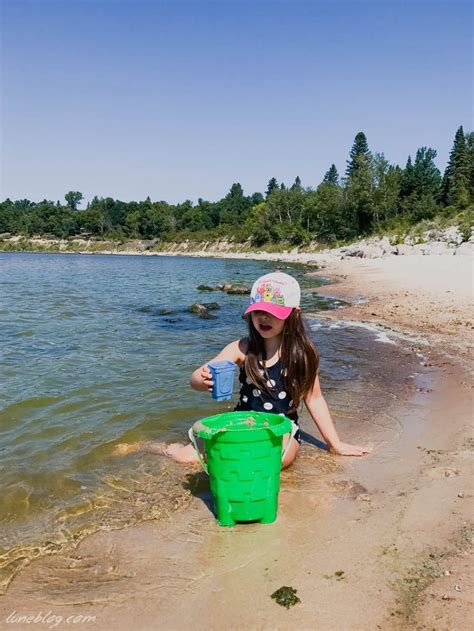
[{"x": 299, "y": 358}]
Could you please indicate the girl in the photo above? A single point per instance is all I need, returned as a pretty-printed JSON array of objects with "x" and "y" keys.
[{"x": 278, "y": 368}]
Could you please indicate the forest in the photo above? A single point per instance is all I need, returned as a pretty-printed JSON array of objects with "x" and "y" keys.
[{"x": 372, "y": 196}]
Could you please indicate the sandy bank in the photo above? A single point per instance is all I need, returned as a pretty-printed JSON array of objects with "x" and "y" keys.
[{"x": 429, "y": 296}]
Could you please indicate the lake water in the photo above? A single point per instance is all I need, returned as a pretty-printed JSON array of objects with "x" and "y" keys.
[{"x": 87, "y": 361}]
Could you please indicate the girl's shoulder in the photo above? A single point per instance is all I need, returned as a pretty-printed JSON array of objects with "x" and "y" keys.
[
  {"x": 242, "y": 348},
  {"x": 235, "y": 351}
]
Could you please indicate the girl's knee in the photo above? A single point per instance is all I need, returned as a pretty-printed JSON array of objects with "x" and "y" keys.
[
  {"x": 291, "y": 452},
  {"x": 185, "y": 454}
]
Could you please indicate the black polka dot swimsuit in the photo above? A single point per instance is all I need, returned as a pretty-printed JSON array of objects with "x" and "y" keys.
[{"x": 276, "y": 401}]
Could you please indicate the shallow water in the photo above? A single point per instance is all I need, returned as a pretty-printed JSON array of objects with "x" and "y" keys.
[{"x": 88, "y": 361}]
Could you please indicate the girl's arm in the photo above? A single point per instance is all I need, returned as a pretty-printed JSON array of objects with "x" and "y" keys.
[
  {"x": 201, "y": 379},
  {"x": 319, "y": 411}
]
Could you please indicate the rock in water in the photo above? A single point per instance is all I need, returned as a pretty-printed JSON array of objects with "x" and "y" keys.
[
  {"x": 238, "y": 289},
  {"x": 233, "y": 289},
  {"x": 201, "y": 310},
  {"x": 211, "y": 306}
]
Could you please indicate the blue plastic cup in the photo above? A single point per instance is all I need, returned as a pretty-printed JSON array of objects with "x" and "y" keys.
[{"x": 223, "y": 377}]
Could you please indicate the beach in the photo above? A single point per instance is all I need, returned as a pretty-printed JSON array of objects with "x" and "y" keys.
[{"x": 381, "y": 542}]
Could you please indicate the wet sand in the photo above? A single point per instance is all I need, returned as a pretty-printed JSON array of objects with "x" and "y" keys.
[{"x": 381, "y": 542}]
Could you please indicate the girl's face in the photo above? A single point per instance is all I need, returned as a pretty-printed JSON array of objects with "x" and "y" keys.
[{"x": 267, "y": 325}]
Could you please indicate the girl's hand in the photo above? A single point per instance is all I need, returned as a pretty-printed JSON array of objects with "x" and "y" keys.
[
  {"x": 345, "y": 449},
  {"x": 206, "y": 378}
]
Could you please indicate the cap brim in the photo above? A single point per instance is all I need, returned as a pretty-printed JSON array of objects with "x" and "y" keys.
[{"x": 275, "y": 310}]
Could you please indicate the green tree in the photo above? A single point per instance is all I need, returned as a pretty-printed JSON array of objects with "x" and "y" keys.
[
  {"x": 358, "y": 202},
  {"x": 194, "y": 220},
  {"x": 359, "y": 185},
  {"x": 470, "y": 163},
  {"x": 234, "y": 206},
  {"x": 133, "y": 223},
  {"x": 260, "y": 226},
  {"x": 286, "y": 207},
  {"x": 426, "y": 175},
  {"x": 408, "y": 179},
  {"x": 455, "y": 184},
  {"x": 331, "y": 176},
  {"x": 256, "y": 198},
  {"x": 272, "y": 186},
  {"x": 386, "y": 192},
  {"x": 297, "y": 183},
  {"x": 73, "y": 198},
  {"x": 420, "y": 186},
  {"x": 360, "y": 156},
  {"x": 324, "y": 212}
]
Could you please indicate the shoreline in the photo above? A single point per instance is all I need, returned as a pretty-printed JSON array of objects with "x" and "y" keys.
[
  {"x": 409, "y": 296},
  {"x": 390, "y": 502}
]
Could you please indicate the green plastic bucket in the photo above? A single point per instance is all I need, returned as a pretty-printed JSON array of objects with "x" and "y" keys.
[{"x": 243, "y": 460}]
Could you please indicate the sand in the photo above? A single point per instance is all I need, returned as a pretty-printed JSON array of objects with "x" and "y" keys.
[
  {"x": 431, "y": 295},
  {"x": 382, "y": 542}
]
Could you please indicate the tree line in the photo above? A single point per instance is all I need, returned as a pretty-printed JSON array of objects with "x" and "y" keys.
[{"x": 372, "y": 196}]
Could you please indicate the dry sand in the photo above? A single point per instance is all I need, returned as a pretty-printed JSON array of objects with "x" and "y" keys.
[
  {"x": 431, "y": 296},
  {"x": 382, "y": 542}
]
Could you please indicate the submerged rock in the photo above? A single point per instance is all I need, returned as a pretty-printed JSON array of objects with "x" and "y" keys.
[
  {"x": 211, "y": 306},
  {"x": 239, "y": 289},
  {"x": 202, "y": 311},
  {"x": 233, "y": 289},
  {"x": 206, "y": 288}
]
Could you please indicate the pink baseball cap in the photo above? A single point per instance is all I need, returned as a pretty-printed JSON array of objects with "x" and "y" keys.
[{"x": 276, "y": 293}]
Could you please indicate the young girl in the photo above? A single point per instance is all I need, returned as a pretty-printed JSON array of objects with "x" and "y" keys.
[{"x": 278, "y": 368}]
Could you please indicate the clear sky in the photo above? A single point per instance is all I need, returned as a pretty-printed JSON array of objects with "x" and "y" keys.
[{"x": 178, "y": 99}]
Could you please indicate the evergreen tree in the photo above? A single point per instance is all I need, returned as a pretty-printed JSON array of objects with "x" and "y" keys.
[
  {"x": 426, "y": 175},
  {"x": 408, "y": 180},
  {"x": 282, "y": 186},
  {"x": 332, "y": 176},
  {"x": 420, "y": 186},
  {"x": 272, "y": 185},
  {"x": 360, "y": 156},
  {"x": 297, "y": 183},
  {"x": 455, "y": 184},
  {"x": 234, "y": 205},
  {"x": 359, "y": 185},
  {"x": 470, "y": 163}
]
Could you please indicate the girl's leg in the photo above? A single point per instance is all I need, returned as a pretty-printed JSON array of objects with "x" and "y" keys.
[
  {"x": 177, "y": 451},
  {"x": 292, "y": 451},
  {"x": 181, "y": 453}
]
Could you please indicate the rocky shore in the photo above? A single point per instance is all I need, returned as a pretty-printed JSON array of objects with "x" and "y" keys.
[{"x": 449, "y": 241}]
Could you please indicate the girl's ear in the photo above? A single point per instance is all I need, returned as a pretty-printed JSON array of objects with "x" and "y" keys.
[{"x": 298, "y": 310}]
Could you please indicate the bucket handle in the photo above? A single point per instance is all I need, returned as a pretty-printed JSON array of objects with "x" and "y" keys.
[{"x": 192, "y": 438}]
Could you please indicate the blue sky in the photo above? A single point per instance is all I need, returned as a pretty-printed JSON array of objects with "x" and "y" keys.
[{"x": 179, "y": 99}]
